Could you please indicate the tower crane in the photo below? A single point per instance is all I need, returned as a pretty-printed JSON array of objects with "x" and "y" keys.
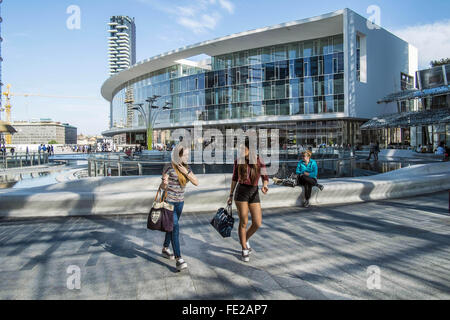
[{"x": 8, "y": 94}]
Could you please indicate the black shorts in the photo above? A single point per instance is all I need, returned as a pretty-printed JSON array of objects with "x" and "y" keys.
[{"x": 247, "y": 193}]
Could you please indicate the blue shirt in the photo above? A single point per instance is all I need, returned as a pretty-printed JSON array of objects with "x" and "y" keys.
[{"x": 311, "y": 168}]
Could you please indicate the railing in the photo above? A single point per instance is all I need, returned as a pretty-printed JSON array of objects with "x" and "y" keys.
[
  {"x": 20, "y": 160},
  {"x": 119, "y": 167}
]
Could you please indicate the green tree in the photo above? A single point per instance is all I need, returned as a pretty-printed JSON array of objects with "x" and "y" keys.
[
  {"x": 436, "y": 63},
  {"x": 53, "y": 142}
]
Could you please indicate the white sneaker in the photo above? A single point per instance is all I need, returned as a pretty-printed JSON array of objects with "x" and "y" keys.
[
  {"x": 181, "y": 264},
  {"x": 245, "y": 256},
  {"x": 166, "y": 253},
  {"x": 249, "y": 248}
]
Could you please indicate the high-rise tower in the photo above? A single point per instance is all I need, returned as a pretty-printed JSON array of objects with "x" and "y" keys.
[{"x": 122, "y": 43}]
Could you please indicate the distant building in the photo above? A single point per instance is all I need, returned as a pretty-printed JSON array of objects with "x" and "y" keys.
[
  {"x": 44, "y": 131},
  {"x": 423, "y": 112},
  {"x": 122, "y": 43}
]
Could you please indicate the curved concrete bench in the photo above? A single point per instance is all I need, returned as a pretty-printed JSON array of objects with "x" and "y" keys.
[{"x": 131, "y": 195}]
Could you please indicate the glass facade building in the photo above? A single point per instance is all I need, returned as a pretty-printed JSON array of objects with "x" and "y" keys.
[{"x": 302, "y": 86}]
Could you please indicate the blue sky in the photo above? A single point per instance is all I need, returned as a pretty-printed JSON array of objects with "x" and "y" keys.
[{"x": 41, "y": 55}]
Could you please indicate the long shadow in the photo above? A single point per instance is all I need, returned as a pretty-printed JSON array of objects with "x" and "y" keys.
[
  {"x": 429, "y": 209},
  {"x": 119, "y": 245}
]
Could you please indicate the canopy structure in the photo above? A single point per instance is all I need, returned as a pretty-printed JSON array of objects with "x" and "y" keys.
[
  {"x": 416, "y": 94},
  {"x": 5, "y": 127},
  {"x": 409, "y": 119}
]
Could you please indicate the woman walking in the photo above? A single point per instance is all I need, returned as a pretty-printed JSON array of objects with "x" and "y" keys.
[
  {"x": 247, "y": 195},
  {"x": 174, "y": 179},
  {"x": 307, "y": 175}
]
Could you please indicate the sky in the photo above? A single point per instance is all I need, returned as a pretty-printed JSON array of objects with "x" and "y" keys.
[{"x": 43, "y": 56}]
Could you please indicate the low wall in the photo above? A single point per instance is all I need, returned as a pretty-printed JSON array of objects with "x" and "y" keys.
[{"x": 131, "y": 195}]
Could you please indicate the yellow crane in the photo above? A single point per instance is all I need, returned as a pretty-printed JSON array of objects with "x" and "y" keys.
[{"x": 8, "y": 94}]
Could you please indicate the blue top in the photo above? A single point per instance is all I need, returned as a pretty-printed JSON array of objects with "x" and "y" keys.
[{"x": 311, "y": 168}]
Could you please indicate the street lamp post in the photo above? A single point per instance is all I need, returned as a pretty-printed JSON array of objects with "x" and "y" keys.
[{"x": 150, "y": 117}]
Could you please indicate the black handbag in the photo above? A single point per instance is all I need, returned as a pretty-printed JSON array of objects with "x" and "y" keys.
[
  {"x": 160, "y": 217},
  {"x": 223, "y": 221}
]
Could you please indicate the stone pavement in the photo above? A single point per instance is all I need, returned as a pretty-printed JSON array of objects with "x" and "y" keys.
[{"x": 319, "y": 253}]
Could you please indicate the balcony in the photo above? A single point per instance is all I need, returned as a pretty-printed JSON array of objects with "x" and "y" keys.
[{"x": 113, "y": 38}]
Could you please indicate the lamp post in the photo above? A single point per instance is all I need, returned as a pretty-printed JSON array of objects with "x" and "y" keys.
[{"x": 150, "y": 117}]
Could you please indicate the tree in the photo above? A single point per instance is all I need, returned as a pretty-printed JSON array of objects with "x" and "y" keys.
[
  {"x": 53, "y": 142},
  {"x": 436, "y": 63}
]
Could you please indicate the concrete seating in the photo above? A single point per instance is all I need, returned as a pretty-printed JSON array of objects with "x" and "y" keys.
[{"x": 132, "y": 195}]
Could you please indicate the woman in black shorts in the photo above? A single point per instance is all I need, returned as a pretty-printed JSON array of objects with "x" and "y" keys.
[{"x": 247, "y": 196}]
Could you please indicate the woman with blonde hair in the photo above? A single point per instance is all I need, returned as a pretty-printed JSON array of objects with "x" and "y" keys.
[
  {"x": 247, "y": 199},
  {"x": 307, "y": 175},
  {"x": 175, "y": 176}
]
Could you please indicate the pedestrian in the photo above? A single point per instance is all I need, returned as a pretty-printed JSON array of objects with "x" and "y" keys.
[
  {"x": 52, "y": 151},
  {"x": 307, "y": 175},
  {"x": 246, "y": 174},
  {"x": 371, "y": 150},
  {"x": 441, "y": 148},
  {"x": 12, "y": 151},
  {"x": 175, "y": 177},
  {"x": 377, "y": 150}
]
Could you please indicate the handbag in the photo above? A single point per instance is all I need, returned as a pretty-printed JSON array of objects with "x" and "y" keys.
[
  {"x": 223, "y": 221},
  {"x": 160, "y": 217}
]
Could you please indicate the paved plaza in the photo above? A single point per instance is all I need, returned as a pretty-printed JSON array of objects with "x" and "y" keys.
[{"x": 319, "y": 253}]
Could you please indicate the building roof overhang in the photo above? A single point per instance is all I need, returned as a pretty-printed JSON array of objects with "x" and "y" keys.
[{"x": 300, "y": 30}]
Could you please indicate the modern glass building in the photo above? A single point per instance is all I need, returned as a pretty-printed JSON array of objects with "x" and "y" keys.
[
  {"x": 423, "y": 117},
  {"x": 316, "y": 80}
]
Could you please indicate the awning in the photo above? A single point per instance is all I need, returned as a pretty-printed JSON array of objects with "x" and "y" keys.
[
  {"x": 409, "y": 119},
  {"x": 5, "y": 127},
  {"x": 415, "y": 94}
]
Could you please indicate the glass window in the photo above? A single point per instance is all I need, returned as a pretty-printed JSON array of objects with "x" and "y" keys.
[
  {"x": 308, "y": 87},
  {"x": 269, "y": 71},
  {"x": 293, "y": 51},
  {"x": 338, "y": 43},
  {"x": 280, "y": 53},
  {"x": 280, "y": 91},
  {"x": 307, "y": 48},
  {"x": 314, "y": 66},
  {"x": 270, "y": 108},
  {"x": 298, "y": 68},
  {"x": 329, "y": 104},
  {"x": 306, "y": 67},
  {"x": 293, "y": 88},
  {"x": 294, "y": 106},
  {"x": 282, "y": 70},
  {"x": 254, "y": 56},
  {"x": 257, "y": 108},
  {"x": 338, "y": 84},
  {"x": 266, "y": 55},
  {"x": 255, "y": 73},
  {"x": 236, "y": 111},
  {"x": 267, "y": 90},
  {"x": 284, "y": 107},
  {"x": 244, "y": 74},
  {"x": 328, "y": 64}
]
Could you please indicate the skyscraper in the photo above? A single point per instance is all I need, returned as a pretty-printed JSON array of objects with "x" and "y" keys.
[{"x": 122, "y": 43}]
